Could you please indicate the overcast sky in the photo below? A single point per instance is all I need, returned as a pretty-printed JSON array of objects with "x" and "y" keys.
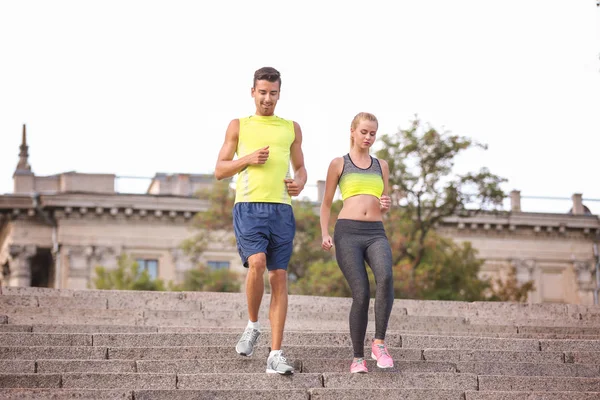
[{"x": 139, "y": 87}]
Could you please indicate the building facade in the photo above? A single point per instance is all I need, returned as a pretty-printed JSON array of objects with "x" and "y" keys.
[{"x": 54, "y": 230}]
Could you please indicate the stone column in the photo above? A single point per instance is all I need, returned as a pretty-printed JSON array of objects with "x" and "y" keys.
[
  {"x": 105, "y": 256},
  {"x": 20, "y": 265},
  {"x": 515, "y": 201},
  {"x": 79, "y": 266},
  {"x": 584, "y": 281},
  {"x": 320, "y": 191},
  {"x": 181, "y": 262},
  {"x": 577, "y": 204},
  {"x": 527, "y": 270}
]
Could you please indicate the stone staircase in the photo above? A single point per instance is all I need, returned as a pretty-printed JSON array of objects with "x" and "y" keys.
[{"x": 91, "y": 344}]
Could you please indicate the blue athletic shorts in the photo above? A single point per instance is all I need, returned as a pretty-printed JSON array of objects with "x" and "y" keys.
[{"x": 265, "y": 228}]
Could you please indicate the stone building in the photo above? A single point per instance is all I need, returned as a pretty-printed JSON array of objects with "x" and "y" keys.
[{"x": 55, "y": 229}]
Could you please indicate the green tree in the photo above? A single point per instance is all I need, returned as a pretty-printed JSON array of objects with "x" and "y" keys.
[
  {"x": 215, "y": 223},
  {"x": 307, "y": 241},
  {"x": 206, "y": 279},
  {"x": 451, "y": 272},
  {"x": 510, "y": 289},
  {"x": 322, "y": 279},
  {"x": 127, "y": 276},
  {"x": 423, "y": 183}
]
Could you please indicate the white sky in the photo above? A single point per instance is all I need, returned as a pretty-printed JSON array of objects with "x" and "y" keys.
[{"x": 139, "y": 87}]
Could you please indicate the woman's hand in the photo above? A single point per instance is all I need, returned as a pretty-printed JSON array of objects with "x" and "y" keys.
[
  {"x": 327, "y": 243},
  {"x": 384, "y": 203}
]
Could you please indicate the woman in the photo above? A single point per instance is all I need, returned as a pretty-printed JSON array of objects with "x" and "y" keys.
[{"x": 360, "y": 236}]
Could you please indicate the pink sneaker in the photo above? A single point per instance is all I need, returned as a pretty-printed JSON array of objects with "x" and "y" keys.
[
  {"x": 380, "y": 353},
  {"x": 359, "y": 366}
]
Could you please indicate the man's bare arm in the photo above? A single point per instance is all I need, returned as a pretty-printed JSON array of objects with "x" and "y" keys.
[
  {"x": 296, "y": 185},
  {"x": 226, "y": 166}
]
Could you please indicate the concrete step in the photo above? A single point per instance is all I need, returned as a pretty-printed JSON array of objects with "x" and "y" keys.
[
  {"x": 438, "y": 380},
  {"x": 67, "y": 319},
  {"x": 507, "y": 335},
  {"x": 256, "y": 364},
  {"x": 68, "y": 394},
  {"x": 304, "y": 365},
  {"x": 570, "y": 345},
  {"x": 45, "y": 339},
  {"x": 237, "y": 394},
  {"x": 184, "y": 381},
  {"x": 529, "y": 369},
  {"x": 209, "y": 366},
  {"x": 17, "y": 301},
  {"x": 210, "y": 339},
  {"x": 53, "y": 352},
  {"x": 82, "y": 366},
  {"x": 525, "y": 321},
  {"x": 30, "y": 380},
  {"x": 17, "y": 311},
  {"x": 385, "y": 394},
  {"x": 559, "y": 330},
  {"x": 17, "y": 366},
  {"x": 15, "y": 328},
  {"x": 425, "y": 394},
  {"x": 260, "y": 352},
  {"x": 588, "y": 357},
  {"x": 492, "y": 356},
  {"x": 65, "y": 394},
  {"x": 80, "y": 328},
  {"x": 532, "y": 395},
  {"x": 187, "y": 300},
  {"x": 319, "y": 365},
  {"x": 495, "y": 331},
  {"x": 467, "y": 342},
  {"x": 522, "y": 383}
]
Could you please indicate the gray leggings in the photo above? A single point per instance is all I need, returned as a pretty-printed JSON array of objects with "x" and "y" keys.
[{"x": 357, "y": 242}]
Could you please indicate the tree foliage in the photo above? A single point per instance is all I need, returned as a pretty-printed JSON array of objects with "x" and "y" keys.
[
  {"x": 206, "y": 279},
  {"x": 215, "y": 223},
  {"x": 307, "y": 241},
  {"x": 127, "y": 276},
  {"x": 423, "y": 183}
]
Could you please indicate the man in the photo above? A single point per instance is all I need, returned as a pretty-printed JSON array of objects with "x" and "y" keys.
[{"x": 263, "y": 219}]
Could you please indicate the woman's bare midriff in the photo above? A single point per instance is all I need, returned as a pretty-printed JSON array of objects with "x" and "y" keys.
[{"x": 362, "y": 207}]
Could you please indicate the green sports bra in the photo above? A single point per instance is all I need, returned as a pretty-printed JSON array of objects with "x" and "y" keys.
[{"x": 354, "y": 180}]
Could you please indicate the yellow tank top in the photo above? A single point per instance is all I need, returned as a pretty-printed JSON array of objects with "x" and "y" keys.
[
  {"x": 264, "y": 183},
  {"x": 354, "y": 180}
]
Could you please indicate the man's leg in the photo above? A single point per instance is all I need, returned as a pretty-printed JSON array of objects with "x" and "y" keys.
[
  {"x": 282, "y": 229},
  {"x": 276, "y": 362},
  {"x": 249, "y": 224},
  {"x": 255, "y": 284},
  {"x": 278, "y": 307}
]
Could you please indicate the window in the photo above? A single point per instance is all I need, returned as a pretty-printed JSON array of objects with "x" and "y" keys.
[
  {"x": 218, "y": 264},
  {"x": 149, "y": 265}
]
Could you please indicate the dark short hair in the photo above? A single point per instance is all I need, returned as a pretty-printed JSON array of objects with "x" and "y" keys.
[{"x": 267, "y": 74}]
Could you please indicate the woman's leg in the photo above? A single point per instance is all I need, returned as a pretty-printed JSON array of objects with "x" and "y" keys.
[
  {"x": 379, "y": 258},
  {"x": 349, "y": 252}
]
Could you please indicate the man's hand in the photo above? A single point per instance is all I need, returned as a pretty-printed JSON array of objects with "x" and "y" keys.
[
  {"x": 384, "y": 203},
  {"x": 293, "y": 187},
  {"x": 260, "y": 156}
]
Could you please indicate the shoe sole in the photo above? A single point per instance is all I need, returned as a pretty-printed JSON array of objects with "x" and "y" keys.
[
  {"x": 272, "y": 371},
  {"x": 380, "y": 366},
  {"x": 244, "y": 354}
]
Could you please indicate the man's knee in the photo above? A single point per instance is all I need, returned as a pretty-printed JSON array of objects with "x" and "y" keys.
[
  {"x": 258, "y": 263},
  {"x": 278, "y": 279}
]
